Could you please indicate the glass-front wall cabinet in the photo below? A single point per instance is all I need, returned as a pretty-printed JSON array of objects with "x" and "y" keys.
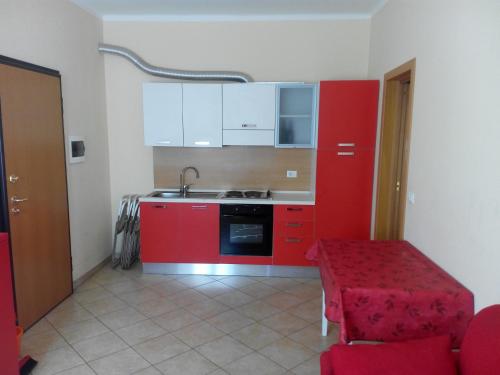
[{"x": 296, "y": 115}]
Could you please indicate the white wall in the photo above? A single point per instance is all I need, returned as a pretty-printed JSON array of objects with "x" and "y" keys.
[
  {"x": 61, "y": 36},
  {"x": 268, "y": 51},
  {"x": 455, "y": 159}
]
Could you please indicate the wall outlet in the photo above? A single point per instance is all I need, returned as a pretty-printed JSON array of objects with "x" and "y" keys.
[
  {"x": 291, "y": 174},
  {"x": 411, "y": 197}
]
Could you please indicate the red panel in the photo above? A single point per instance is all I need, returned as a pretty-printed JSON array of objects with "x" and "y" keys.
[
  {"x": 239, "y": 259},
  {"x": 344, "y": 195},
  {"x": 347, "y": 113},
  {"x": 294, "y": 228},
  {"x": 8, "y": 345},
  {"x": 293, "y": 213},
  {"x": 199, "y": 233},
  {"x": 160, "y": 232},
  {"x": 290, "y": 251}
]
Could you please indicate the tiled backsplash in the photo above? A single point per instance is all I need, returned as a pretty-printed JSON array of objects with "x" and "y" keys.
[{"x": 235, "y": 167}]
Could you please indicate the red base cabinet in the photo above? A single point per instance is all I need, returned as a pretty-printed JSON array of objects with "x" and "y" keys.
[
  {"x": 345, "y": 158},
  {"x": 179, "y": 233},
  {"x": 8, "y": 345},
  {"x": 293, "y": 234}
]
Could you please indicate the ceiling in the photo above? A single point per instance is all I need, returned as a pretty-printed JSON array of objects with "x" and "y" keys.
[{"x": 230, "y": 9}]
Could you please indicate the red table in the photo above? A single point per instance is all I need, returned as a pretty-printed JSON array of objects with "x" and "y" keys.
[{"x": 389, "y": 291}]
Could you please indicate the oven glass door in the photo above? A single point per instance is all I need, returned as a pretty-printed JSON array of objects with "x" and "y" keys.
[{"x": 246, "y": 235}]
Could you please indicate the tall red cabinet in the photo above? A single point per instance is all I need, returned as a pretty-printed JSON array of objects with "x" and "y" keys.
[
  {"x": 8, "y": 346},
  {"x": 345, "y": 158}
]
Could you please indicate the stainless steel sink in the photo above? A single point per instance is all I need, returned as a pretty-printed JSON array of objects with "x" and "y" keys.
[{"x": 177, "y": 194}]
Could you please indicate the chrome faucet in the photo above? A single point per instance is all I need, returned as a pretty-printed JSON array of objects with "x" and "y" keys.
[{"x": 184, "y": 186}]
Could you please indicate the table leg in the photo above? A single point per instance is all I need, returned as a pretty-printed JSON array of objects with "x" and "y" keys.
[{"x": 324, "y": 321}]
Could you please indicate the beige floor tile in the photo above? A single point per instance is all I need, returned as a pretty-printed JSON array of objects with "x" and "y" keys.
[
  {"x": 256, "y": 336},
  {"x": 140, "y": 332},
  {"x": 191, "y": 363},
  {"x": 312, "y": 338},
  {"x": 56, "y": 361},
  {"x": 285, "y": 323},
  {"x": 258, "y": 290},
  {"x": 68, "y": 303},
  {"x": 124, "y": 286},
  {"x": 41, "y": 326},
  {"x": 42, "y": 342},
  {"x": 287, "y": 353},
  {"x": 207, "y": 309},
  {"x": 238, "y": 281},
  {"x": 61, "y": 318},
  {"x": 87, "y": 285},
  {"x": 188, "y": 297},
  {"x": 224, "y": 350},
  {"x": 310, "y": 311},
  {"x": 152, "y": 279},
  {"x": 219, "y": 372},
  {"x": 83, "y": 330},
  {"x": 283, "y": 300},
  {"x": 104, "y": 306},
  {"x": 195, "y": 280},
  {"x": 230, "y": 321},
  {"x": 105, "y": 277},
  {"x": 138, "y": 297},
  {"x": 149, "y": 371},
  {"x": 309, "y": 367},
  {"x": 234, "y": 298},
  {"x": 305, "y": 292},
  {"x": 175, "y": 320},
  {"x": 91, "y": 295},
  {"x": 214, "y": 289},
  {"x": 198, "y": 334},
  {"x": 156, "y": 307},
  {"x": 169, "y": 288},
  {"x": 78, "y": 370},
  {"x": 258, "y": 310},
  {"x": 99, "y": 346},
  {"x": 254, "y": 363},
  {"x": 122, "y": 318},
  {"x": 121, "y": 363},
  {"x": 281, "y": 283},
  {"x": 161, "y": 348}
]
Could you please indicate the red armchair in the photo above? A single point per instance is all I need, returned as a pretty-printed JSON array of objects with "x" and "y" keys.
[{"x": 479, "y": 353}]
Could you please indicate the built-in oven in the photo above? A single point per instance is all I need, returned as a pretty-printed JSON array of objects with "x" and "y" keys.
[{"x": 246, "y": 229}]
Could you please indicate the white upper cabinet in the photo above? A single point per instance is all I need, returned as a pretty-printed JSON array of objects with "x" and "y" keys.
[
  {"x": 202, "y": 115},
  {"x": 162, "y": 104},
  {"x": 249, "y": 106}
]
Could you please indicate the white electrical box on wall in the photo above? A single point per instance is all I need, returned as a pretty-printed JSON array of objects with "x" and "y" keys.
[{"x": 76, "y": 149}]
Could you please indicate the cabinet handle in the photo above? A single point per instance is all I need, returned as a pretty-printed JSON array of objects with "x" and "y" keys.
[
  {"x": 350, "y": 153},
  {"x": 163, "y": 142},
  {"x": 293, "y": 240},
  {"x": 294, "y": 209},
  {"x": 294, "y": 225},
  {"x": 346, "y": 144},
  {"x": 199, "y": 207},
  {"x": 248, "y": 125},
  {"x": 161, "y": 206}
]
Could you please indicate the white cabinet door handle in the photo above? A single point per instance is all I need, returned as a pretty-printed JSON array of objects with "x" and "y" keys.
[
  {"x": 346, "y": 144},
  {"x": 350, "y": 153},
  {"x": 163, "y": 142},
  {"x": 248, "y": 125}
]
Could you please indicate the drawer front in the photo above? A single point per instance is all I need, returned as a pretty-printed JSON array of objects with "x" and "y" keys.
[
  {"x": 294, "y": 228},
  {"x": 291, "y": 251},
  {"x": 293, "y": 213}
]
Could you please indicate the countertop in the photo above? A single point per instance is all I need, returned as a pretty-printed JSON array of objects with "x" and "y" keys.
[{"x": 277, "y": 197}]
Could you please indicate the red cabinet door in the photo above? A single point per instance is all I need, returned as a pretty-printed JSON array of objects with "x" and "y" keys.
[
  {"x": 347, "y": 114},
  {"x": 291, "y": 251},
  {"x": 8, "y": 346},
  {"x": 345, "y": 158},
  {"x": 199, "y": 233},
  {"x": 160, "y": 225}
]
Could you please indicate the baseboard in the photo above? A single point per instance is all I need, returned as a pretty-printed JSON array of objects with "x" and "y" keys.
[{"x": 89, "y": 274}]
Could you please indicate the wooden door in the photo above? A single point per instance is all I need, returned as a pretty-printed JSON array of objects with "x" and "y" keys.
[
  {"x": 35, "y": 174},
  {"x": 394, "y": 153}
]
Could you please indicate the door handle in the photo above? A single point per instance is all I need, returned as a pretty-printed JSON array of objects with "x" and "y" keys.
[
  {"x": 15, "y": 199},
  {"x": 15, "y": 210},
  {"x": 199, "y": 207},
  {"x": 293, "y": 240},
  {"x": 350, "y": 153},
  {"x": 248, "y": 125},
  {"x": 294, "y": 225},
  {"x": 13, "y": 178}
]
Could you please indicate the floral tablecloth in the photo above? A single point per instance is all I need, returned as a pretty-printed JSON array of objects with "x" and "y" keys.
[{"x": 389, "y": 291}]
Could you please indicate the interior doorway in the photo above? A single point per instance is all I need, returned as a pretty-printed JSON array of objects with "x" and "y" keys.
[
  {"x": 394, "y": 152},
  {"x": 33, "y": 195}
]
